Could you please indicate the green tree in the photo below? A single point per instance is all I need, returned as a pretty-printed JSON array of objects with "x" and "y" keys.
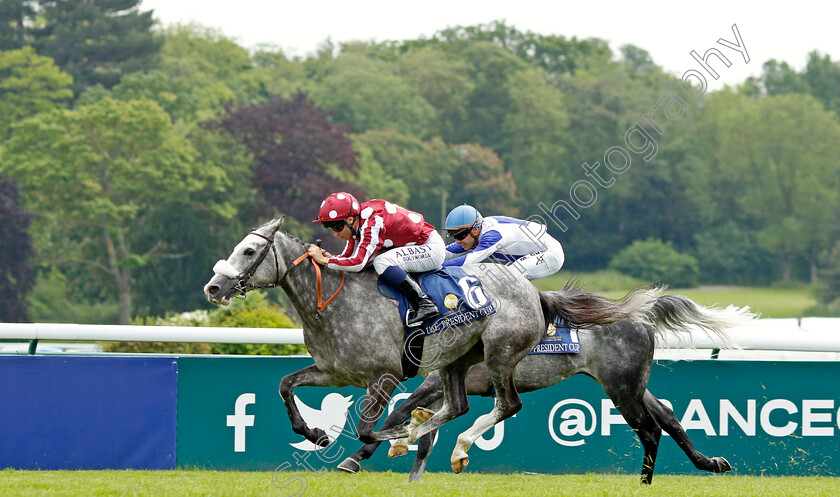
[
  {"x": 14, "y": 17},
  {"x": 367, "y": 94},
  {"x": 29, "y": 84},
  {"x": 657, "y": 262},
  {"x": 96, "y": 41},
  {"x": 823, "y": 78},
  {"x": 535, "y": 131},
  {"x": 778, "y": 154},
  {"x": 16, "y": 273},
  {"x": 828, "y": 287},
  {"x": 424, "y": 166},
  {"x": 479, "y": 179},
  {"x": 777, "y": 78},
  {"x": 296, "y": 152},
  {"x": 95, "y": 173},
  {"x": 443, "y": 81}
]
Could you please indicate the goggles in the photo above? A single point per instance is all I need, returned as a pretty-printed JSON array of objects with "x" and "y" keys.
[
  {"x": 334, "y": 225},
  {"x": 460, "y": 235}
]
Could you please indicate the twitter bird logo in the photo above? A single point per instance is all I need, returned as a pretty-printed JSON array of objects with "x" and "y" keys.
[{"x": 333, "y": 413}]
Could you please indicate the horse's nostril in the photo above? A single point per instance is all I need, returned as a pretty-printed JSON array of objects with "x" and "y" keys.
[{"x": 212, "y": 290}]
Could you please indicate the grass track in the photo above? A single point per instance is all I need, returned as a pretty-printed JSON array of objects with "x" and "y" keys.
[{"x": 189, "y": 483}]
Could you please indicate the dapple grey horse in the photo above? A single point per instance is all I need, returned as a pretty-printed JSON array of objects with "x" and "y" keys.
[
  {"x": 358, "y": 339},
  {"x": 619, "y": 357}
]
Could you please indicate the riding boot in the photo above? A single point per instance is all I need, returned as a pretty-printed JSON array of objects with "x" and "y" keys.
[{"x": 422, "y": 307}]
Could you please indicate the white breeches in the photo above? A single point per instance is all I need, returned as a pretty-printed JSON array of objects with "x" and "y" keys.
[{"x": 413, "y": 258}]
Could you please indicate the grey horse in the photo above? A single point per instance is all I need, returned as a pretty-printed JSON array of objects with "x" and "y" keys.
[
  {"x": 358, "y": 339},
  {"x": 619, "y": 357}
]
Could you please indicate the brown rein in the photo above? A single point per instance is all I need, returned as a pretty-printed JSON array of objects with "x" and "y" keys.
[{"x": 321, "y": 304}]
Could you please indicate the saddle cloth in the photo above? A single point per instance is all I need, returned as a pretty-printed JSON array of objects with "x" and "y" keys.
[
  {"x": 558, "y": 338},
  {"x": 458, "y": 295}
]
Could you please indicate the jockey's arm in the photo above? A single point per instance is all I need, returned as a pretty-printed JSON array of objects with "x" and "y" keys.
[
  {"x": 488, "y": 244},
  {"x": 453, "y": 250}
]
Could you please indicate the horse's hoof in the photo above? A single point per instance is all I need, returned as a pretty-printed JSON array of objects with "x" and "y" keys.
[
  {"x": 460, "y": 464},
  {"x": 350, "y": 466},
  {"x": 398, "y": 450},
  {"x": 722, "y": 464},
  {"x": 421, "y": 415}
]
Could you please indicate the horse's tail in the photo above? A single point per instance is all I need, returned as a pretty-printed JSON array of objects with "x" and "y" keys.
[
  {"x": 580, "y": 307},
  {"x": 678, "y": 314}
]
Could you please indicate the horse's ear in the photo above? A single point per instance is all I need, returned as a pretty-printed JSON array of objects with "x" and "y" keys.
[{"x": 279, "y": 222}]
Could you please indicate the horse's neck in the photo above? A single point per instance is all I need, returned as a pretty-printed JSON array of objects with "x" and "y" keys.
[{"x": 300, "y": 283}]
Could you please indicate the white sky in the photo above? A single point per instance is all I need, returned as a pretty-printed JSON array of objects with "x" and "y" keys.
[{"x": 669, "y": 31}]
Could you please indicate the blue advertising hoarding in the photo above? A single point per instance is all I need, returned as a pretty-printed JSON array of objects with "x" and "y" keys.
[{"x": 63, "y": 412}]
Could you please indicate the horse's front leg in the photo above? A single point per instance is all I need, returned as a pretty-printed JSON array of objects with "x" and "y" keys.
[{"x": 313, "y": 377}]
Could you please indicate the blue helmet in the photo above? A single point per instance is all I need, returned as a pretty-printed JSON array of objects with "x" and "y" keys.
[{"x": 463, "y": 216}]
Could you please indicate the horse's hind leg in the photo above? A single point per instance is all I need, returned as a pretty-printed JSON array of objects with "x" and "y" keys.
[
  {"x": 376, "y": 401},
  {"x": 427, "y": 393},
  {"x": 455, "y": 401},
  {"x": 507, "y": 404},
  {"x": 643, "y": 423},
  {"x": 668, "y": 421}
]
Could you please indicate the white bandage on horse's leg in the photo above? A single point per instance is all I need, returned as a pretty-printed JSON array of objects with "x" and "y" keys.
[
  {"x": 466, "y": 439},
  {"x": 224, "y": 268},
  {"x": 399, "y": 447}
]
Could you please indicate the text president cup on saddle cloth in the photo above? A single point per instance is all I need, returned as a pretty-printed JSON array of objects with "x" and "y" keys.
[
  {"x": 522, "y": 244},
  {"x": 396, "y": 240}
]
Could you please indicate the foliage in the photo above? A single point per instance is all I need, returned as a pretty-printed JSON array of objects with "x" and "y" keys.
[
  {"x": 29, "y": 84},
  {"x": 95, "y": 172},
  {"x": 785, "y": 174},
  {"x": 366, "y": 94},
  {"x": 14, "y": 17},
  {"x": 442, "y": 80},
  {"x": 657, "y": 262},
  {"x": 730, "y": 254},
  {"x": 52, "y": 301},
  {"x": 479, "y": 179},
  {"x": 97, "y": 42},
  {"x": 254, "y": 312},
  {"x": 828, "y": 286},
  {"x": 16, "y": 274},
  {"x": 485, "y": 114},
  {"x": 293, "y": 144}
]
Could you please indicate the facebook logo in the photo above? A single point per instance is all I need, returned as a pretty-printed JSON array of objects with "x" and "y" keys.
[{"x": 239, "y": 420}]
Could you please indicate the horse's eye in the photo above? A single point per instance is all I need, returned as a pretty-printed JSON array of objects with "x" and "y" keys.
[{"x": 248, "y": 251}]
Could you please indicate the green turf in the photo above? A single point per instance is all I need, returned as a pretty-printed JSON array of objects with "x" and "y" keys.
[
  {"x": 365, "y": 484},
  {"x": 771, "y": 302}
]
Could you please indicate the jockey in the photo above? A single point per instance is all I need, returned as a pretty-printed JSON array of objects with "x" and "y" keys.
[
  {"x": 396, "y": 240},
  {"x": 523, "y": 244}
]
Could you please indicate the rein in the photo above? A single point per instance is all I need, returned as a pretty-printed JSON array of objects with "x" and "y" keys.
[{"x": 243, "y": 286}]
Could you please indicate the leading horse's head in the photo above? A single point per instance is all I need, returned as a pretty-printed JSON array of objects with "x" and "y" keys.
[{"x": 254, "y": 263}]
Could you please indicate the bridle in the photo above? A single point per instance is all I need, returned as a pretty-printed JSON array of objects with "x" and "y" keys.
[{"x": 243, "y": 286}]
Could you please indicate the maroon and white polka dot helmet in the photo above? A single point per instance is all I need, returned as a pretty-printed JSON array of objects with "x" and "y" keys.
[{"x": 337, "y": 206}]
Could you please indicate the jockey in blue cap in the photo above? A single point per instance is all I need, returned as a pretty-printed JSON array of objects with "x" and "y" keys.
[{"x": 525, "y": 245}]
